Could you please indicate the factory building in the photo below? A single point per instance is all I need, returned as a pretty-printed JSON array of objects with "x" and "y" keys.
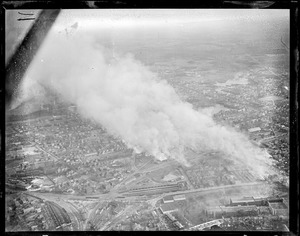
[{"x": 257, "y": 201}]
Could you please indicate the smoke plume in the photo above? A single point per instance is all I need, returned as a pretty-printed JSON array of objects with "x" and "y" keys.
[{"x": 133, "y": 103}]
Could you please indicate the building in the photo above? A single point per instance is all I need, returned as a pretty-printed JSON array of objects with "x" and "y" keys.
[
  {"x": 260, "y": 200},
  {"x": 256, "y": 129},
  {"x": 161, "y": 157},
  {"x": 234, "y": 209},
  {"x": 27, "y": 210},
  {"x": 179, "y": 197},
  {"x": 214, "y": 211},
  {"x": 168, "y": 208},
  {"x": 220, "y": 210},
  {"x": 241, "y": 202},
  {"x": 278, "y": 208},
  {"x": 275, "y": 199},
  {"x": 245, "y": 201},
  {"x": 171, "y": 217},
  {"x": 168, "y": 199},
  {"x": 178, "y": 224}
]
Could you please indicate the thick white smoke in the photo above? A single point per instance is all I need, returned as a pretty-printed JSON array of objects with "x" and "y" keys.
[{"x": 131, "y": 102}]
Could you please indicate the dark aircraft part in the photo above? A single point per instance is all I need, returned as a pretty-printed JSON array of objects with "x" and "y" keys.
[
  {"x": 251, "y": 4},
  {"x": 21, "y": 59},
  {"x": 26, "y": 14},
  {"x": 26, "y": 19}
]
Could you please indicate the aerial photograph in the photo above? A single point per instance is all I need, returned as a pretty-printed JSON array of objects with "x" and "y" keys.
[{"x": 147, "y": 120}]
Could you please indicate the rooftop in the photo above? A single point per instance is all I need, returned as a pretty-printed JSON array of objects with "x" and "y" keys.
[
  {"x": 278, "y": 205},
  {"x": 179, "y": 197},
  {"x": 254, "y": 129},
  {"x": 241, "y": 200},
  {"x": 238, "y": 208},
  {"x": 168, "y": 198},
  {"x": 168, "y": 207}
]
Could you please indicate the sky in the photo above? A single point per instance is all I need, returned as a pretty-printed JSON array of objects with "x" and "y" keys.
[
  {"x": 93, "y": 19},
  {"x": 98, "y": 18}
]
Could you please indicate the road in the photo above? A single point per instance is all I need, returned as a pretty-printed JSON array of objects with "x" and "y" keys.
[
  {"x": 185, "y": 176},
  {"x": 270, "y": 139},
  {"x": 41, "y": 149}
]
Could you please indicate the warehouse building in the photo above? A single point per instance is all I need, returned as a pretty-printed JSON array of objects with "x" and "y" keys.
[
  {"x": 179, "y": 197},
  {"x": 168, "y": 199},
  {"x": 217, "y": 211},
  {"x": 257, "y": 201},
  {"x": 168, "y": 208}
]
